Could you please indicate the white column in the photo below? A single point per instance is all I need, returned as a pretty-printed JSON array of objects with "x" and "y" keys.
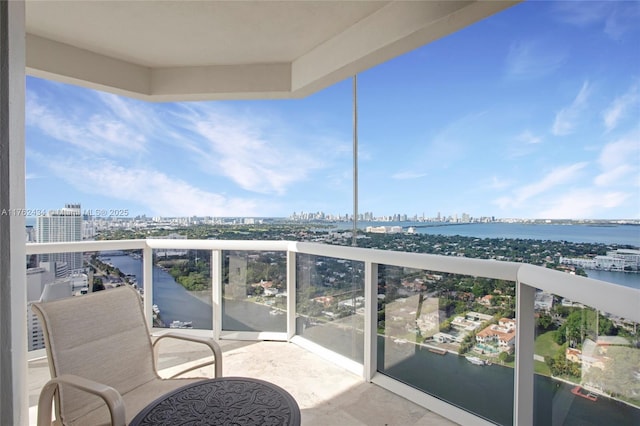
[
  {"x": 291, "y": 294},
  {"x": 525, "y": 336},
  {"x": 13, "y": 296},
  {"x": 147, "y": 283},
  {"x": 216, "y": 292},
  {"x": 370, "y": 320}
]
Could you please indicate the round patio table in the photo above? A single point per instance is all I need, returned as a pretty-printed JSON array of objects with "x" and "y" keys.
[{"x": 222, "y": 401}]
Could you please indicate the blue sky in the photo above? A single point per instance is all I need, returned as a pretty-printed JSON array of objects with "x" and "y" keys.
[{"x": 531, "y": 113}]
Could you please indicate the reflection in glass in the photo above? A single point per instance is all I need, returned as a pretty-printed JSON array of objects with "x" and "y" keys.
[
  {"x": 182, "y": 288},
  {"x": 330, "y": 303},
  {"x": 449, "y": 335},
  {"x": 254, "y": 292},
  {"x": 587, "y": 365}
]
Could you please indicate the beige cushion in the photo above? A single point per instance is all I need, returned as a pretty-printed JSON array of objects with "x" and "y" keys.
[{"x": 103, "y": 337}]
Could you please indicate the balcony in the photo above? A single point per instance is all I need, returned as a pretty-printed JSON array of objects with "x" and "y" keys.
[
  {"x": 326, "y": 394},
  {"x": 382, "y": 316}
]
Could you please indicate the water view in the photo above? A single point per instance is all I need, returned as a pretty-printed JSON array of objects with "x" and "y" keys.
[{"x": 483, "y": 388}]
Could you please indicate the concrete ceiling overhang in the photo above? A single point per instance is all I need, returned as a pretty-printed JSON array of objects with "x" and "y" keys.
[{"x": 200, "y": 50}]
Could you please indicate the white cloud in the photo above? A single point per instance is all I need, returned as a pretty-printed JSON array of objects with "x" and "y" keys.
[
  {"x": 523, "y": 144},
  {"x": 98, "y": 133},
  {"x": 567, "y": 117},
  {"x": 254, "y": 156},
  {"x": 499, "y": 183},
  {"x": 528, "y": 59},
  {"x": 407, "y": 175},
  {"x": 580, "y": 13},
  {"x": 625, "y": 149},
  {"x": 160, "y": 193},
  {"x": 528, "y": 137},
  {"x": 29, "y": 176},
  {"x": 557, "y": 177},
  {"x": 616, "y": 18},
  {"x": 613, "y": 176},
  {"x": 582, "y": 203},
  {"x": 619, "y": 161},
  {"x": 619, "y": 108},
  {"x": 622, "y": 20}
]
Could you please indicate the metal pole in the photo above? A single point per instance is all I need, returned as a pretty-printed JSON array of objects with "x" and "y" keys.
[{"x": 354, "y": 241}]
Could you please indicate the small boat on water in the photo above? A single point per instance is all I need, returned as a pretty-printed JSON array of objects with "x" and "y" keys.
[
  {"x": 156, "y": 309},
  {"x": 181, "y": 324},
  {"x": 475, "y": 360},
  {"x": 438, "y": 351},
  {"x": 577, "y": 390}
]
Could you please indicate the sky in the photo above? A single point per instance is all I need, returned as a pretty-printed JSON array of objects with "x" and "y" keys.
[{"x": 531, "y": 113}]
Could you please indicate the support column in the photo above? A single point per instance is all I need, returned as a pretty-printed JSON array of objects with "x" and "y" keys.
[
  {"x": 524, "y": 369},
  {"x": 216, "y": 292},
  {"x": 13, "y": 295}
]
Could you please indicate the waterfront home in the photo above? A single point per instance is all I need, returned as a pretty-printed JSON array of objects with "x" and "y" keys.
[{"x": 503, "y": 334}]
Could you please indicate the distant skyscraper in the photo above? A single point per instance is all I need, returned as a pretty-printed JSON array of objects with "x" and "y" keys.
[{"x": 61, "y": 226}]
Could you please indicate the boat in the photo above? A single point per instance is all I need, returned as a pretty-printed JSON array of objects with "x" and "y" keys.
[
  {"x": 438, "y": 351},
  {"x": 156, "y": 309},
  {"x": 400, "y": 341},
  {"x": 275, "y": 312},
  {"x": 577, "y": 390},
  {"x": 181, "y": 324},
  {"x": 475, "y": 360}
]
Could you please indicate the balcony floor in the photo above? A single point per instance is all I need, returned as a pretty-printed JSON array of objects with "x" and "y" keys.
[{"x": 326, "y": 394}]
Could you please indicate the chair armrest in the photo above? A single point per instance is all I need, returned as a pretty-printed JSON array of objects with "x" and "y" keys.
[
  {"x": 111, "y": 397},
  {"x": 215, "y": 349}
]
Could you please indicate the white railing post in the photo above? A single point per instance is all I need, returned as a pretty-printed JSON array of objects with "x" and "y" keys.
[
  {"x": 523, "y": 372},
  {"x": 216, "y": 292},
  {"x": 147, "y": 283},
  {"x": 291, "y": 294},
  {"x": 370, "y": 320}
]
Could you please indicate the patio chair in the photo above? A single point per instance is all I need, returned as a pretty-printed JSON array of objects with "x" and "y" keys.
[{"x": 101, "y": 358}]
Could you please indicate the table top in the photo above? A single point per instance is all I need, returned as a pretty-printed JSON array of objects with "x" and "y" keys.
[{"x": 222, "y": 401}]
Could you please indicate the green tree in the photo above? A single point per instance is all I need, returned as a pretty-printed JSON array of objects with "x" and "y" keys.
[{"x": 98, "y": 285}]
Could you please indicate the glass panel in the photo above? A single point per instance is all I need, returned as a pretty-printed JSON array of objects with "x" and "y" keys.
[
  {"x": 254, "y": 293},
  {"x": 59, "y": 275},
  {"x": 449, "y": 335},
  {"x": 587, "y": 365},
  {"x": 182, "y": 288},
  {"x": 330, "y": 303}
]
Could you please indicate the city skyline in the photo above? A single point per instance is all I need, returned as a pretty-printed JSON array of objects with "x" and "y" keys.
[{"x": 531, "y": 113}]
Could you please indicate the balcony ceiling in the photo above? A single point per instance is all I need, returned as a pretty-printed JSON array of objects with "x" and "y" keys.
[{"x": 196, "y": 50}]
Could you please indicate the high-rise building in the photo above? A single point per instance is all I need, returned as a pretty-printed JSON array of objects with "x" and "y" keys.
[{"x": 63, "y": 225}]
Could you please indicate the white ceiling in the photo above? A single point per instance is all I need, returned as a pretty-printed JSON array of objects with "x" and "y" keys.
[{"x": 181, "y": 50}]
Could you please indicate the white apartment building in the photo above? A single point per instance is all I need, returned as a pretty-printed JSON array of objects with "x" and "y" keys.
[
  {"x": 614, "y": 260},
  {"x": 63, "y": 225}
]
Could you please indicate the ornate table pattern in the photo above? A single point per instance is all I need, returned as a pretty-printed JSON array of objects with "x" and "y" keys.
[{"x": 222, "y": 401}]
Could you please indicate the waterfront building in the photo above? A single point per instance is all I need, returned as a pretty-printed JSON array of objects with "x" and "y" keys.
[
  {"x": 61, "y": 226},
  {"x": 384, "y": 229},
  {"x": 502, "y": 334},
  {"x": 614, "y": 260}
]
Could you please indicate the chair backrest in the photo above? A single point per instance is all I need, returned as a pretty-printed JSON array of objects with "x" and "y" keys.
[{"x": 102, "y": 336}]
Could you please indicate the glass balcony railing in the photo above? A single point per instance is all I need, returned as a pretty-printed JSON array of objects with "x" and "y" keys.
[
  {"x": 254, "y": 291},
  {"x": 477, "y": 341},
  {"x": 427, "y": 319},
  {"x": 330, "y": 304}
]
